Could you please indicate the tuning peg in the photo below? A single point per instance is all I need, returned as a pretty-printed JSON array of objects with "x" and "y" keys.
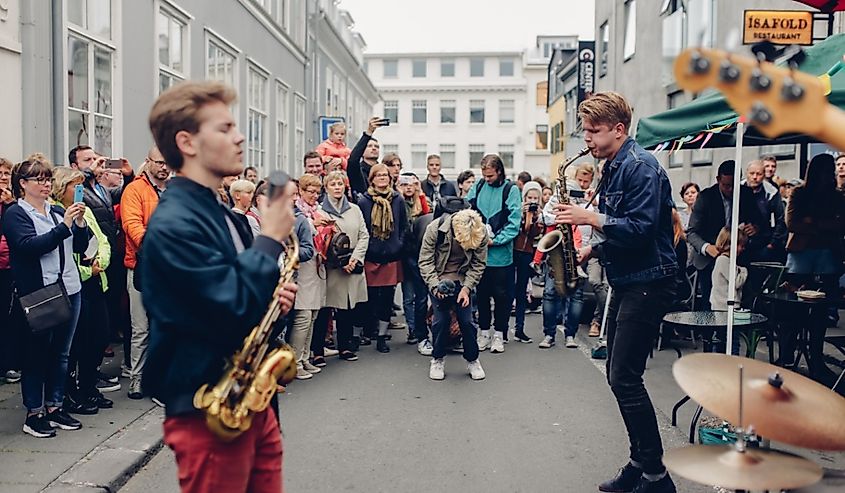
[
  {"x": 699, "y": 64},
  {"x": 791, "y": 90},
  {"x": 760, "y": 114},
  {"x": 795, "y": 56},
  {"x": 759, "y": 81},
  {"x": 765, "y": 51},
  {"x": 728, "y": 72}
]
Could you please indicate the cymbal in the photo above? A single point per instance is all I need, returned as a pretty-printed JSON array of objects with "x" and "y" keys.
[
  {"x": 779, "y": 404},
  {"x": 753, "y": 469}
]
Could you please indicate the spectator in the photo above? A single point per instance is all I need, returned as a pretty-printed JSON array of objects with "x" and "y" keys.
[
  {"x": 689, "y": 192},
  {"x": 333, "y": 150},
  {"x": 769, "y": 243},
  {"x": 500, "y": 206},
  {"x": 311, "y": 279},
  {"x": 712, "y": 212},
  {"x": 346, "y": 286},
  {"x": 384, "y": 214},
  {"x": 313, "y": 164},
  {"x": 42, "y": 239},
  {"x": 394, "y": 167},
  {"x": 452, "y": 260},
  {"x": 770, "y": 169},
  {"x": 465, "y": 182},
  {"x": 82, "y": 395},
  {"x": 251, "y": 174},
  {"x": 414, "y": 291},
  {"x": 243, "y": 193},
  {"x": 531, "y": 227},
  {"x": 10, "y": 327},
  {"x": 679, "y": 241},
  {"x": 547, "y": 194},
  {"x": 721, "y": 271},
  {"x": 584, "y": 177},
  {"x": 363, "y": 157},
  {"x": 435, "y": 185},
  {"x": 139, "y": 201},
  {"x": 522, "y": 178},
  {"x": 259, "y": 200},
  {"x": 840, "y": 173},
  {"x": 225, "y": 193}
]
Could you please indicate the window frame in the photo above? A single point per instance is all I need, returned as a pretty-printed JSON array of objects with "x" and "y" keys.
[
  {"x": 483, "y": 108},
  {"x": 473, "y": 149},
  {"x": 282, "y": 126},
  {"x": 415, "y": 64},
  {"x": 512, "y": 111},
  {"x": 504, "y": 61},
  {"x": 419, "y": 104},
  {"x": 418, "y": 154},
  {"x": 453, "y": 107},
  {"x": 261, "y": 115},
  {"x": 393, "y": 106},
  {"x": 471, "y": 63},
  {"x": 604, "y": 48},
  {"x": 384, "y": 64},
  {"x": 178, "y": 15},
  {"x": 445, "y": 63},
  {"x": 300, "y": 125},
  {"x": 504, "y": 150},
  {"x": 448, "y": 150},
  {"x": 629, "y": 44}
]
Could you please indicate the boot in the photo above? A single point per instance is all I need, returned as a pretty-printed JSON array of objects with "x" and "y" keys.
[{"x": 381, "y": 344}]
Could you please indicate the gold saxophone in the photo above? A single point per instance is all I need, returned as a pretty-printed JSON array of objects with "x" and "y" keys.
[
  {"x": 559, "y": 243},
  {"x": 254, "y": 373}
]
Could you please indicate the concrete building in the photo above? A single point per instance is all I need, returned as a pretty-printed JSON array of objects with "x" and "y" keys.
[
  {"x": 636, "y": 43},
  {"x": 458, "y": 105},
  {"x": 11, "y": 68},
  {"x": 91, "y": 70}
]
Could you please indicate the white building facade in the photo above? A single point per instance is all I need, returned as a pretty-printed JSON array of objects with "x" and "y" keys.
[{"x": 460, "y": 106}]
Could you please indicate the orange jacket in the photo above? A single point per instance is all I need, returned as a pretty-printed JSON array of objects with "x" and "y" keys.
[
  {"x": 328, "y": 150},
  {"x": 139, "y": 200}
]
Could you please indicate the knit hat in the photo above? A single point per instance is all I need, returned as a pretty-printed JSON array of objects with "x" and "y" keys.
[{"x": 531, "y": 185}]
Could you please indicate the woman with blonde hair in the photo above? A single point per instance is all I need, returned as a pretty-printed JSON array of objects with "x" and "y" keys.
[
  {"x": 346, "y": 285},
  {"x": 243, "y": 192},
  {"x": 384, "y": 213}
]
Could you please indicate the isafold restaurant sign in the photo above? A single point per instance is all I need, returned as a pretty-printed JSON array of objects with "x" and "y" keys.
[{"x": 785, "y": 27}]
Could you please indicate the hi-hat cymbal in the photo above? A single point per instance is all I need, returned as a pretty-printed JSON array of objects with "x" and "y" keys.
[
  {"x": 779, "y": 404},
  {"x": 753, "y": 469}
]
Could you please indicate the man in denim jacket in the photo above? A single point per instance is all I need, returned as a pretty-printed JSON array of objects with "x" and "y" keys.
[{"x": 632, "y": 236}]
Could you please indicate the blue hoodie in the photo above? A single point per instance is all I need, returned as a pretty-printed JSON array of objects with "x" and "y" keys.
[{"x": 489, "y": 203}]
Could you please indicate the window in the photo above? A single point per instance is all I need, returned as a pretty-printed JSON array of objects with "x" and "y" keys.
[
  {"x": 476, "y": 67},
  {"x": 391, "y": 111},
  {"x": 506, "y": 68},
  {"x": 296, "y": 22},
  {"x": 476, "y": 111},
  {"x": 541, "y": 142},
  {"x": 447, "y": 111},
  {"x": 506, "y": 110},
  {"x": 506, "y": 153},
  {"x": 390, "y": 69},
  {"x": 171, "y": 33},
  {"x": 630, "y": 29},
  {"x": 476, "y": 152},
  {"x": 418, "y": 154},
  {"x": 280, "y": 11},
  {"x": 299, "y": 130},
  {"x": 447, "y": 155},
  {"x": 89, "y": 91},
  {"x": 418, "y": 67},
  {"x": 220, "y": 64},
  {"x": 604, "y": 45},
  {"x": 699, "y": 23},
  {"x": 673, "y": 44},
  {"x": 542, "y": 93},
  {"x": 282, "y": 106},
  {"x": 256, "y": 138},
  {"x": 419, "y": 111},
  {"x": 92, "y": 16},
  {"x": 447, "y": 68},
  {"x": 388, "y": 148}
]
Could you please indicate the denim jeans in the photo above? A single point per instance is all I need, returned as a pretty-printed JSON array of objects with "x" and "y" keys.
[
  {"x": 45, "y": 368},
  {"x": 522, "y": 263},
  {"x": 598, "y": 281},
  {"x": 443, "y": 319},
  {"x": 556, "y": 307},
  {"x": 497, "y": 286},
  {"x": 813, "y": 261},
  {"x": 633, "y": 321},
  {"x": 89, "y": 339},
  {"x": 414, "y": 300}
]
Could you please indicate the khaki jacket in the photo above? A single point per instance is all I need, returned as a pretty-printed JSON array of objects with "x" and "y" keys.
[{"x": 433, "y": 257}]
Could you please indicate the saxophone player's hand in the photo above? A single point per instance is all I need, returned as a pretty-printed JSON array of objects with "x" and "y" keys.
[
  {"x": 576, "y": 215},
  {"x": 287, "y": 295},
  {"x": 583, "y": 254}
]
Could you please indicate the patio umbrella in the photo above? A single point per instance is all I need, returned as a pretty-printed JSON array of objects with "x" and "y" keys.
[{"x": 826, "y": 6}]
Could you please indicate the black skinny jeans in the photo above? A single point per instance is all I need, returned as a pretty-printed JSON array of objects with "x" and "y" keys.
[
  {"x": 343, "y": 321},
  {"x": 90, "y": 338},
  {"x": 379, "y": 306},
  {"x": 496, "y": 285},
  {"x": 633, "y": 321},
  {"x": 12, "y": 327},
  {"x": 321, "y": 327}
]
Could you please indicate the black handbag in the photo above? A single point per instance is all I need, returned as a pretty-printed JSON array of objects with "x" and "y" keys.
[
  {"x": 49, "y": 306},
  {"x": 136, "y": 273}
]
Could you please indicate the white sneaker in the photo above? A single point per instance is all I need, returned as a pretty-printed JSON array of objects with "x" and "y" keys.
[
  {"x": 328, "y": 352},
  {"x": 483, "y": 342},
  {"x": 547, "y": 342},
  {"x": 498, "y": 345},
  {"x": 303, "y": 374},
  {"x": 570, "y": 342},
  {"x": 476, "y": 372},
  {"x": 437, "y": 371},
  {"x": 425, "y": 348},
  {"x": 311, "y": 368},
  {"x": 125, "y": 372}
]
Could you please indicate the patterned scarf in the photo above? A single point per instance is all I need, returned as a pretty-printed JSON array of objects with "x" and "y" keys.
[
  {"x": 309, "y": 211},
  {"x": 382, "y": 214}
]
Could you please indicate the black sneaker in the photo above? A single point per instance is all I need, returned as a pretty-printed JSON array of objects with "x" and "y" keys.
[
  {"x": 625, "y": 480},
  {"x": 100, "y": 401},
  {"x": 662, "y": 485},
  {"x": 523, "y": 338},
  {"x": 37, "y": 426},
  {"x": 365, "y": 341},
  {"x": 107, "y": 386},
  {"x": 412, "y": 339},
  {"x": 348, "y": 356},
  {"x": 105, "y": 378},
  {"x": 80, "y": 406},
  {"x": 59, "y": 418}
]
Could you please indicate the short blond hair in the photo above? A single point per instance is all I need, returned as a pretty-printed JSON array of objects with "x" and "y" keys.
[
  {"x": 723, "y": 241},
  {"x": 336, "y": 125},
  {"x": 241, "y": 186},
  {"x": 335, "y": 175},
  {"x": 177, "y": 109},
  {"x": 62, "y": 177},
  {"x": 307, "y": 181},
  {"x": 606, "y": 108},
  {"x": 585, "y": 168}
]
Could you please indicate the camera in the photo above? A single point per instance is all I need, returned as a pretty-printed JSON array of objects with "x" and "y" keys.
[
  {"x": 446, "y": 287},
  {"x": 533, "y": 207}
]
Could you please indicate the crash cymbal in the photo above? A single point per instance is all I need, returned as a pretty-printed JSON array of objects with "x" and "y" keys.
[
  {"x": 753, "y": 469},
  {"x": 778, "y": 404}
]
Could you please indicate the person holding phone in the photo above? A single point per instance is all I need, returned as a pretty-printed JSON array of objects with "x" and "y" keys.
[
  {"x": 524, "y": 247},
  {"x": 364, "y": 156}
]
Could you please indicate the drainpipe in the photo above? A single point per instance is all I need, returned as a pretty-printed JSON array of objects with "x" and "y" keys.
[{"x": 57, "y": 58}]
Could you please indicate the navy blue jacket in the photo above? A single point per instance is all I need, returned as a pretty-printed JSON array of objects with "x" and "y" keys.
[
  {"x": 447, "y": 189},
  {"x": 636, "y": 198},
  {"x": 26, "y": 247},
  {"x": 357, "y": 169},
  {"x": 201, "y": 296},
  {"x": 389, "y": 250}
]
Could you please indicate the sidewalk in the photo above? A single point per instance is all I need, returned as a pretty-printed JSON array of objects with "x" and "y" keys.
[{"x": 100, "y": 457}]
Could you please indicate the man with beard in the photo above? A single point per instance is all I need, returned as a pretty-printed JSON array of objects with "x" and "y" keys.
[{"x": 364, "y": 156}]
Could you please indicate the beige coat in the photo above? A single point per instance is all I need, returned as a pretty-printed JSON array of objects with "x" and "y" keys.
[
  {"x": 347, "y": 290},
  {"x": 311, "y": 280}
]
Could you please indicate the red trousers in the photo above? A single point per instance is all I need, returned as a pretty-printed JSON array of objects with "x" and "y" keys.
[{"x": 250, "y": 463}]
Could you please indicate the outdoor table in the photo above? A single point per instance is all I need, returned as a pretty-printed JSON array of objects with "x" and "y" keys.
[
  {"x": 816, "y": 309},
  {"x": 711, "y": 322}
]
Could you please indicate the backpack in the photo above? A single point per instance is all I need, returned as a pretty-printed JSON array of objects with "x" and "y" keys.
[
  {"x": 500, "y": 219},
  {"x": 338, "y": 250}
]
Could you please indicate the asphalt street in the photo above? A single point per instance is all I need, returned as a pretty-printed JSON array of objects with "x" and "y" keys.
[{"x": 543, "y": 420}]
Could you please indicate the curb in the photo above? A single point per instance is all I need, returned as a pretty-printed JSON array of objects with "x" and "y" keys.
[{"x": 112, "y": 463}]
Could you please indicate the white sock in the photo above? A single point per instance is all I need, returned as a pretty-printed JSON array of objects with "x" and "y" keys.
[{"x": 485, "y": 333}]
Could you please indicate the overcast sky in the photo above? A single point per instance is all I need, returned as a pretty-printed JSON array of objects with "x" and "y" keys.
[{"x": 397, "y": 26}]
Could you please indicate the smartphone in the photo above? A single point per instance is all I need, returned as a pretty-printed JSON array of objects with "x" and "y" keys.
[
  {"x": 384, "y": 122},
  {"x": 114, "y": 163},
  {"x": 78, "y": 194},
  {"x": 577, "y": 194}
]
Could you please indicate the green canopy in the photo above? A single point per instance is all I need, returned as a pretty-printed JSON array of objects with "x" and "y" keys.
[{"x": 689, "y": 121}]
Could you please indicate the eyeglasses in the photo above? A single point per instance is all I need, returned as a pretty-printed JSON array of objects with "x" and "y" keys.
[
  {"x": 160, "y": 163},
  {"x": 382, "y": 175},
  {"x": 310, "y": 190},
  {"x": 41, "y": 180},
  {"x": 6, "y": 173}
]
